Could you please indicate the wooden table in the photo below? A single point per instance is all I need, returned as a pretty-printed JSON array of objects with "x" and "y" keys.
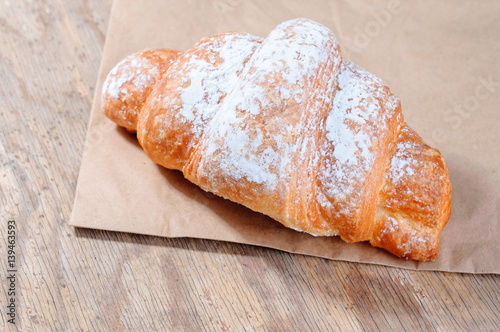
[{"x": 71, "y": 279}]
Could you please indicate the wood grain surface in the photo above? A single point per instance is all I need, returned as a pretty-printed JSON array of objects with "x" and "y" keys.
[{"x": 71, "y": 279}]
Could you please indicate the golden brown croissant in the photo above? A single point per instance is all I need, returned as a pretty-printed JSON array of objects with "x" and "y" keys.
[{"x": 286, "y": 127}]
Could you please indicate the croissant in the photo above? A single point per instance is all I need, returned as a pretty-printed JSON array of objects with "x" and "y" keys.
[{"x": 287, "y": 127}]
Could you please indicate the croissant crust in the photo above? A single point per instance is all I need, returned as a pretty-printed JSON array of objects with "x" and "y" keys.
[{"x": 287, "y": 127}]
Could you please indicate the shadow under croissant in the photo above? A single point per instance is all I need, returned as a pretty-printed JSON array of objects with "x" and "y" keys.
[
  {"x": 257, "y": 229},
  {"x": 246, "y": 226}
]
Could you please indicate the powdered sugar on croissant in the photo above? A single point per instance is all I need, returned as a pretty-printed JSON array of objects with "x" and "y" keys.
[{"x": 287, "y": 127}]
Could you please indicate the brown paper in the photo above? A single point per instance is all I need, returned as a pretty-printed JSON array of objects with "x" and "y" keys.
[{"x": 439, "y": 58}]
